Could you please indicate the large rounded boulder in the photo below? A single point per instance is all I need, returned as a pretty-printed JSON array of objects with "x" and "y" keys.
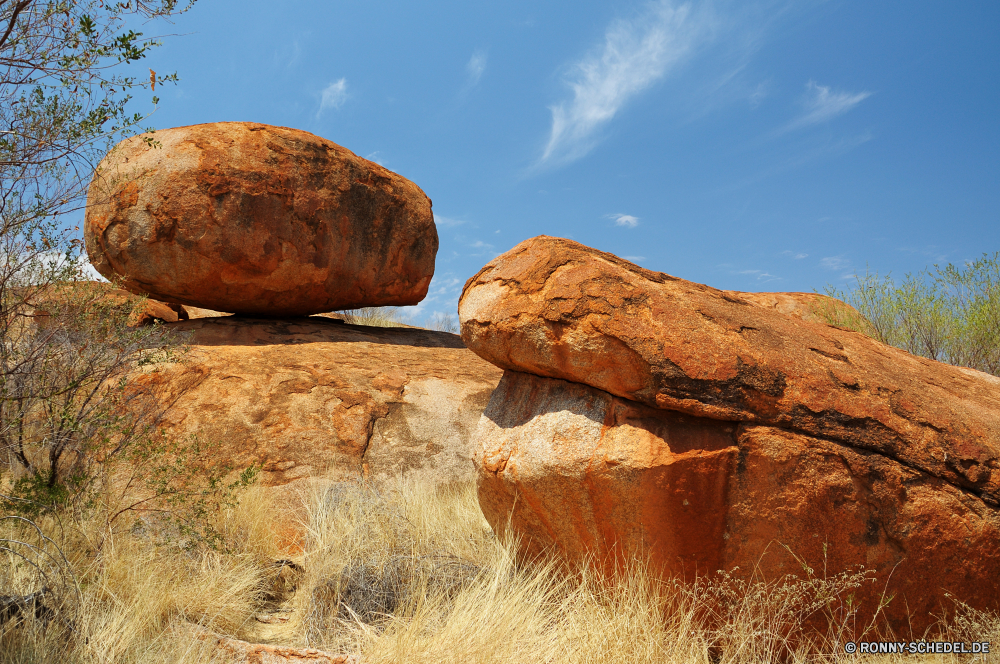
[
  {"x": 641, "y": 415},
  {"x": 255, "y": 219}
]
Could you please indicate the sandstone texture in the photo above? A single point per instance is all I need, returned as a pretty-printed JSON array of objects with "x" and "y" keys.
[
  {"x": 641, "y": 414},
  {"x": 316, "y": 398},
  {"x": 555, "y": 308},
  {"x": 586, "y": 472},
  {"x": 255, "y": 219},
  {"x": 810, "y": 307}
]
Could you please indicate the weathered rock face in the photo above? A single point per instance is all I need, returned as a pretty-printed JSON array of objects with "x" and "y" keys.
[
  {"x": 924, "y": 538},
  {"x": 317, "y": 398},
  {"x": 571, "y": 468},
  {"x": 810, "y": 307},
  {"x": 250, "y": 218},
  {"x": 555, "y": 308},
  {"x": 586, "y": 472},
  {"x": 705, "y": 428}
]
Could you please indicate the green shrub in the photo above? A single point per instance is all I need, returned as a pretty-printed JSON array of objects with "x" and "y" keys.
[{"x": 950, "y": 314}]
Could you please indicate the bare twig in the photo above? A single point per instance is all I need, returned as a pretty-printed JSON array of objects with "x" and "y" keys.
[{"x": 18, "y": 8}]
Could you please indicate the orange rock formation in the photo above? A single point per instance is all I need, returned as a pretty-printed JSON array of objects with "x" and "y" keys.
[
  {"x": 250, "y": 218},
  {"x": 706, "y": 427}
]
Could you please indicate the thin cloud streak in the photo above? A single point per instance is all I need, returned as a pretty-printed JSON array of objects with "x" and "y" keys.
[
  {"x": 443, "y": 292},
  {"x": 448, "y": 222},
  {"x": 826, "y": 148},
  {"x": 823, "y": 105},
  {"x": 797, "y": 255},
  {"x": 635, "y": 54},
  {"x": 476, "y": 66},
  {"x": 760, "y": 275},
  {"x": 758, "y": 95},
  {"x": 836, "y": 263},
  {"x": 334, "y": 96}
]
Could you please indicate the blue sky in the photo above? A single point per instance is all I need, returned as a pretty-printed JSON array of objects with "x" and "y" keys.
[{"x": 757, "y": 146}]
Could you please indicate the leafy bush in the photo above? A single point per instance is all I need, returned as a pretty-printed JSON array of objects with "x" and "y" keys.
[
  {"x": 80, "y": 409},
  {"x": 80, "y": 447},
  {"x": 66, "y": 402},
  {"x": 78, "y": 423},
  {"x": 67, "y": 405},
  {"x": 950, "y": 314}
]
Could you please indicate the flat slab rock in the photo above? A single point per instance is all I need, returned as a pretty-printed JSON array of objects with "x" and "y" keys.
[
  {"x": 250, "y": 218},
  {"x": 317, "y": 398},
  {"x": 644, "y": 414}
]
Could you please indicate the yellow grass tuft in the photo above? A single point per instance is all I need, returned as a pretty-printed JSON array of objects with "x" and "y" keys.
[
  {"x": 129, "y": 600},
  {"x": 410, "y": 574},
  {"x": 398, "y": 549}
]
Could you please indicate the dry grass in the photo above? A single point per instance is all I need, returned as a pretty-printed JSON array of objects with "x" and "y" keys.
[
  {"x": 411, "y": 574},
  {"x": 129, "y": 600},
  {"x": 375, "y": 317}
]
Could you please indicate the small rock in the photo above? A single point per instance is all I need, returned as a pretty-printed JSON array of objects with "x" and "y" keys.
[{"x": 233, "y": 651}]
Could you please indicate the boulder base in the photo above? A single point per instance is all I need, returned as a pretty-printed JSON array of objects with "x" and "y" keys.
[
  {"x": 249, "y": 218},
  {"x": 570, "y": 468}
]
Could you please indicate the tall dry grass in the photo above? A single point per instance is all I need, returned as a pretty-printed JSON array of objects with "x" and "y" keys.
[
  {"x": 414, "y": 575},
  {"x": 131, "y": 600}
]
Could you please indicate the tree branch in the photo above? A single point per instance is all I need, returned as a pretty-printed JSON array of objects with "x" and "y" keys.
[{"x": 18, "y": 8}]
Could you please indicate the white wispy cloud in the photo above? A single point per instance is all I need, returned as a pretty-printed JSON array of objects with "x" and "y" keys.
[
  {"x": 817, "y": 148},
  {"x": 334, "y": 96},
  {"x": 760, "y": 275},
  {"x": 835, "y": 263},
  {"x": 442, "y": 294},
  {"x": 447, "y": 286},
  {"x": 822, "y": 104},
  {"x": 797, "y": 255},
  {"x": 634, "y": 259},
  {"x": 758, "y": 94},
  {"x": 447, "y": 221},
  {"x": 634, "y": 55},
  {"x": 480, "y": 248},
  {"x": 625, "y": 220},
  {"x": 476, "y": 66},
  {"x": 288, "y": 56}
]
